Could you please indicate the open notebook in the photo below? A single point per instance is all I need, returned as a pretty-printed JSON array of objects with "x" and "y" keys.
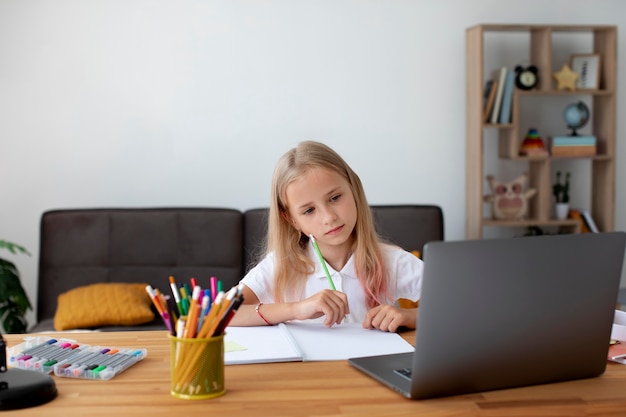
[{"x": 307, "y": 341}]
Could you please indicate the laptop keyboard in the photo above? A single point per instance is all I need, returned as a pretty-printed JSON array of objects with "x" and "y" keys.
[{"x": 404, "y": 372}]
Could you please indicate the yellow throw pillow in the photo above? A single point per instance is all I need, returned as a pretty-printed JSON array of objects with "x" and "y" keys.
[
  {"x": 104, "y": 304},
  {"x": 406, "y": 303}
]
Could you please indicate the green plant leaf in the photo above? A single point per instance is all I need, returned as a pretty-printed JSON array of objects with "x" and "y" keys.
[
  {"x": 12, "y": 320},
  {"x": 11, "y": 289},
  {"x": 13, "y": 247},
  {"x": 13, "y": 299}
]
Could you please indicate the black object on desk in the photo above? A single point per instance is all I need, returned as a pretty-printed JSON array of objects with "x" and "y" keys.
[{"x": 21, "y": 388}]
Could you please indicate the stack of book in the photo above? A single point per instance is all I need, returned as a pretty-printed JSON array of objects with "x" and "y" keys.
[
  {"x": 573, "y": 146},
  {"x": 499, "y": 97}
]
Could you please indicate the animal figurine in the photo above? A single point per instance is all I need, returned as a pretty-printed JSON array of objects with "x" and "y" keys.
[{"x": 509, "y": 199}]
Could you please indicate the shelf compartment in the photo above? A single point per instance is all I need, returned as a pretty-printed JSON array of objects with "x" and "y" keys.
[
  {"x": 603, "y": 102},
  {"x": 573, "y": 225}
]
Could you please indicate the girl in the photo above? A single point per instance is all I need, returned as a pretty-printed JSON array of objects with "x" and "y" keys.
[{"x": 314, "y": 192}]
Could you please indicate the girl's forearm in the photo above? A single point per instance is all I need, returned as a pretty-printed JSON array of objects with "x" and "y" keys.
[{"x": 268, "y": 313}]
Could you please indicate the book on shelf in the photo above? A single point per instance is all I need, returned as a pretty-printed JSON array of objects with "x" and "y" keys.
[
  {"x": 583, "y": 145},
  {"x": 591, "y": 225},
  {"x": 498, "y": 101},
  {"x": 573, "y": 150},
  {"x": 493, "y": 86},
  {"x": 573, "y": 141},
  {"x": 576, "y": 214},
  {"x": 486, "y": 91},
  {"x": 507, "y": 98}
]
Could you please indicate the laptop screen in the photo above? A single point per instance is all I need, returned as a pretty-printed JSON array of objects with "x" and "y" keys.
[{"x": 500, "y": 313}]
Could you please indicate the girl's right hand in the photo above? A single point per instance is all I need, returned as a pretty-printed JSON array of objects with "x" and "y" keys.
[{"x": 331, "y": 304}]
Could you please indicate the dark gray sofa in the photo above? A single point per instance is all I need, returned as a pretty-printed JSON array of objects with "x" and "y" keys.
[{"x": 86, "y": 246}]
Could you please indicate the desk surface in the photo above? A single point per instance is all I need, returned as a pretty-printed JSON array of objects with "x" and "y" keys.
[{"x": 321, "y": 389}]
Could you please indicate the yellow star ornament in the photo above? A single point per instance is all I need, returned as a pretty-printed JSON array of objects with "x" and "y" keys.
[{"x": 566, "y": 78}]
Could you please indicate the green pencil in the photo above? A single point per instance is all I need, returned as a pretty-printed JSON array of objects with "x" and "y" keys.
[{"x": 323, "y": 262}]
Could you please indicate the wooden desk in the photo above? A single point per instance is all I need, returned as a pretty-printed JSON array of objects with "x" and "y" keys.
[{"x": 319, "y": 389}]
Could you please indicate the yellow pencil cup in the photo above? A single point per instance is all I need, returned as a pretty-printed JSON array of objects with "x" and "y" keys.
[{"x": 197, "y": 367}]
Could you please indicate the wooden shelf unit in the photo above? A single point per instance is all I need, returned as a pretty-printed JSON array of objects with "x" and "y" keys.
[{"x": 603, "y": 118}]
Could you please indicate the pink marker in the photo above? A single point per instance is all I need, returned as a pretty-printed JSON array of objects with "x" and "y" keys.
[{"x": 213, "y": 282}]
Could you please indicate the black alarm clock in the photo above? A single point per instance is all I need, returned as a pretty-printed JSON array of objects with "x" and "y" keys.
[{"x": 526, "y": 78}]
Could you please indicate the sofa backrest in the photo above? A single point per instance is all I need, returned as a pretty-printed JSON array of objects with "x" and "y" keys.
[
  {"x": 86, "y": 246},
  {"x": 255, "y": 229},
  {"x": 409, "y": 226}
]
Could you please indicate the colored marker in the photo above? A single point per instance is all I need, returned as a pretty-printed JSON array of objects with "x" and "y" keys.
[
  {"x": 39, "y": 347},
  {"x": 184, "y": 300},
  {"x": 230, "y": 312},
  {"x": 213, "y": 286},
  {"x": 156, "y": 300},
  {"x": 206, "y": 304},
  {"x": 194, "y": 313},
  {"x": 176, "y": 295},
  {"x": 188, "y": 292}
]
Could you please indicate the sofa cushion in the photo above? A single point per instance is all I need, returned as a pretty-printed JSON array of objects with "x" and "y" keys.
[{"x": 103, "y": 304}]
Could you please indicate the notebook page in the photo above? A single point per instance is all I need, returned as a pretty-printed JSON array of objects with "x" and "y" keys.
[
  {"x": 347, "y": 340},
  {"x": 259, "y": 344}
]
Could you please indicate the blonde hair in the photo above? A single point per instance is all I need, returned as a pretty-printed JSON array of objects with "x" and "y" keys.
[{"x": 289, "y": 246}]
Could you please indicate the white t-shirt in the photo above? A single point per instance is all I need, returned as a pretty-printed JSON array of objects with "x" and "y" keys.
[{"x": 404, "y": 270}]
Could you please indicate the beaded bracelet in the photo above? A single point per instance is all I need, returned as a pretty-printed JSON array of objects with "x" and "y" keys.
[{"x": 261, "y": 315}]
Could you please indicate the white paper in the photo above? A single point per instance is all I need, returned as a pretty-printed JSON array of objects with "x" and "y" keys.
[
  {"x": 347, "y": 340},
  {"x": 308, "y": 341},
  {"x": 618, "y": 331},
  {"x": 259, "y": 344}
]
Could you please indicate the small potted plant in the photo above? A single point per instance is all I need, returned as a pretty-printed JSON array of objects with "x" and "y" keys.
[
  {"x": 13, "y": 299},
  {"x": 560, "y": 190}
]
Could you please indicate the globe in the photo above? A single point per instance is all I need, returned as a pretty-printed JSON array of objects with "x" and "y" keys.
[{"x": 576, "y": 115}]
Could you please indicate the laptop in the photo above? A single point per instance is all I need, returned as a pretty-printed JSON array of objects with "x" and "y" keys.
[{"x": 503, "y": 313}]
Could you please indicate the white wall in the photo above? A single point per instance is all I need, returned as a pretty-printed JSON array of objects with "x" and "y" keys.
[{"x": 135, "y": 103}]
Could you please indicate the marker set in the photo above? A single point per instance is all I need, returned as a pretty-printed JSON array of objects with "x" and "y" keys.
[{"x": 67, "y": 358}]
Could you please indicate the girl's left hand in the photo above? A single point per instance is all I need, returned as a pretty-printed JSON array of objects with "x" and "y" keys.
[{"x": 389, "y": 318}]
